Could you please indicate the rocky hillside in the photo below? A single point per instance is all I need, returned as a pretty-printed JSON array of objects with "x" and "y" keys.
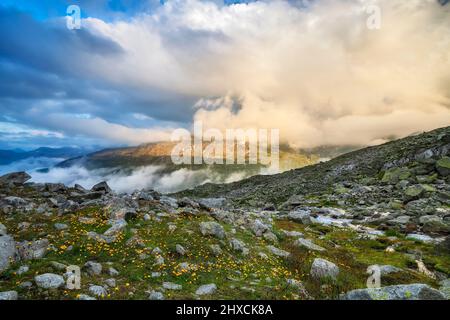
[
  {"x": 405, "y": 177},
  {"x": 310, "y": 233}
]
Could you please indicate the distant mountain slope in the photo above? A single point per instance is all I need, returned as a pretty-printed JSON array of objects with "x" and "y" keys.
[
  {"x": 160, "y": 154},
  {"x": 10, "y": 156},
  {"x": 416, "y": 154}
]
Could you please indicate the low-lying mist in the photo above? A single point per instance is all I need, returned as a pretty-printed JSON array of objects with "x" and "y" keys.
[{"x": 135, "y": 179}]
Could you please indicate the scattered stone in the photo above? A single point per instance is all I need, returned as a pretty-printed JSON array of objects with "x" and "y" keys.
[
  {"x": 258, "y": 228},
  {"x": 212, "y": 229},
  {"x": 212, "y": 202},
  {"x": 308, "y": 244},
  {"x": 49, "y": 281},
  {"x": 113, "y": 272},
  {"x": 157, "y": 251},
  {"x": 15, "y": 178},
  {"x": 3, "y": 230},
  {"x": 398, "y": 292},
  {"x": 300, "y": 216},
  {"x": 159, "y": 260},
  {"x": 420, "y": 237},
  {"x": 101, "y": 187},
  {"x": 270, "y": 237},
  {"x": 156, "y": 295},
  {"x": 26, "y": 285},
  {"x": 61, "y": 226},
  {"x": 58, "y": 266},
  {"x": 85, "y": 297},
  {"x": 239, "y": 246},
  {"x": 117, "y": 227},
  {"x": 322, "y": 268},
  {"x": 434, "y": 223},
  {"x": 9, "y": 295},
  {"x": 111, "y": 282},
  {"x": 98, "y": 291},
  {"x": 414, "y": 192},
  {"x": 443, "y": 166},
  {"x": 180, "y": 249},
  {"x": 169, "y": 201},
  {"x": 278, "y": 252},
  {"x": 215, "y": 249},
  {"x": 206, "y": 289},
  {"x": 93, "y": 268},
  {"x": 172, "y": 286},
  {"x": 22, "y": 270},
  {"x": 29, "y": 250},
  {"x": 292, "y": 234},
  {"x": 385, "y": 269},
  {"x": 445, "y": 288}
]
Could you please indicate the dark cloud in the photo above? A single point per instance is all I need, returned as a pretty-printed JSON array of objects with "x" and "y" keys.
[{"x": 46, "y": 68}]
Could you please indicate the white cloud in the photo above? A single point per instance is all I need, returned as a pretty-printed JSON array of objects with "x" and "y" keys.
[{"x": 318, "y": 74}]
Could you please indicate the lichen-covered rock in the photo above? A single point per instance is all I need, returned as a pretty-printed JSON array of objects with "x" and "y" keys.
[
  {"x": 398, "y": 292},
  {"x": 443, "y": 166},
  {"x": 394, "y": 175},
  {"x": 434, "y": 223}
]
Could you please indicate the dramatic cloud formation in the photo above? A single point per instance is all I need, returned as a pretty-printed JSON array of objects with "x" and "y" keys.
[{"x": 311, "y": 68}]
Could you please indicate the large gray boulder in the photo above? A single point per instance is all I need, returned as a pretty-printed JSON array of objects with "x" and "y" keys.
[
  {"x": 399, "y": 292},
  {"x": 300, "y": 216},
  {"x": 49, "y": 281},
  {"x": 15, "y": 178},
  {"x": 212, "y": 228},
  {"x": 7, "y": 252},
  {"x": 101, "y": 187},
  {"x": 322, "y": 269}
]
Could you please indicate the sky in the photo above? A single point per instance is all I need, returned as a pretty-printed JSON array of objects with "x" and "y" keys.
[{"x": 137, "y": 70}]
